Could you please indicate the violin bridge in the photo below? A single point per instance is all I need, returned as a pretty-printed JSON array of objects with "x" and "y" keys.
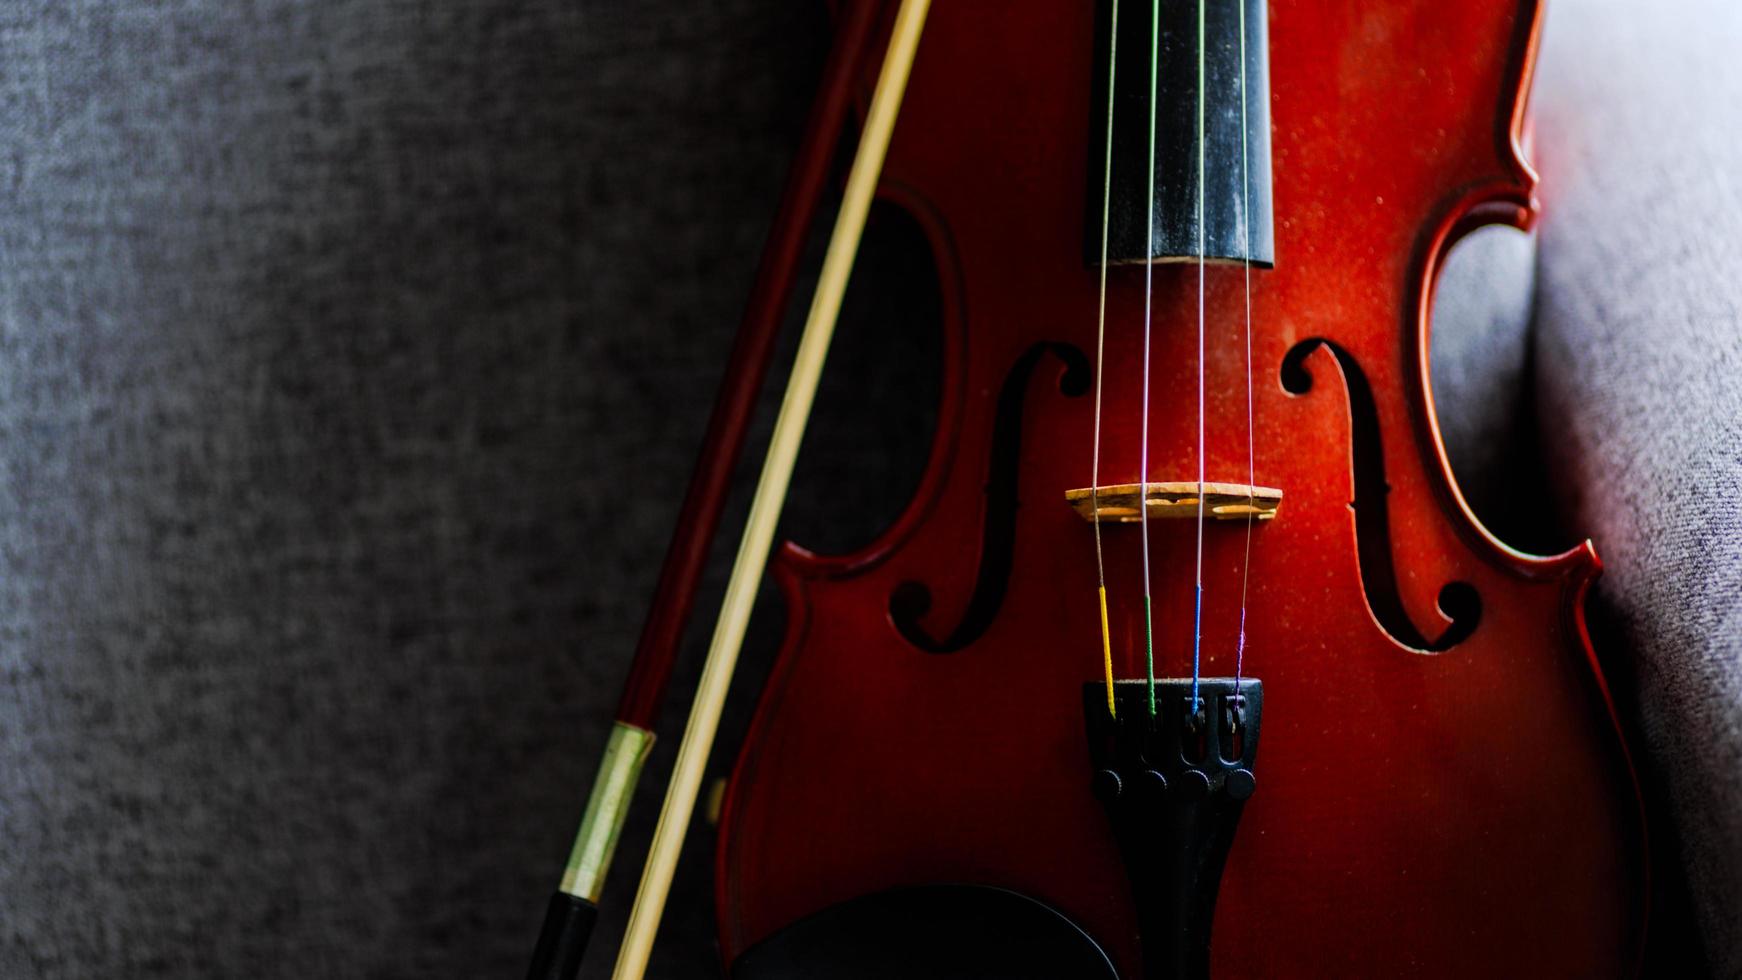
[{"x": 1117, "y": 504}]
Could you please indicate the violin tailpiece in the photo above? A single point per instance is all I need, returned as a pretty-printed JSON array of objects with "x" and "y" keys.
[{"x": 1174, "y": 784}]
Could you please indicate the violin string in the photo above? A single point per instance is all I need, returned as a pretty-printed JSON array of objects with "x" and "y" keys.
[
  {"x": 1198, "y": 614},
  {"x": 1100, "y": 349},
  {"x": 1148, "y": 298},
  {"x": 1251, "y": 438}
]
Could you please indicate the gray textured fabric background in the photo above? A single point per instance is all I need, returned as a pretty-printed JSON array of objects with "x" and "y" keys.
[
  {"x": 1639, "y": 374},
  {"x": 331, "y": 336}
]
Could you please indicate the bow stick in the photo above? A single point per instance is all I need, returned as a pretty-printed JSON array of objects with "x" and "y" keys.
[
  {"x": 573, "y": 908},
  {"x": 765, "y": 507}
]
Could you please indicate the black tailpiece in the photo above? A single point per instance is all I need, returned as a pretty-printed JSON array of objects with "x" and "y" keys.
[{"x": 1174, "y": 784}]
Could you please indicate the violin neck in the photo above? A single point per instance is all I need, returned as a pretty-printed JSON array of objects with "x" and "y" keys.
[{"x": 1225, "y": 95}]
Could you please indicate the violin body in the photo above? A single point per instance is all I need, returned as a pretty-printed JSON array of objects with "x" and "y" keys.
[{"x": 1442, "y": 788}]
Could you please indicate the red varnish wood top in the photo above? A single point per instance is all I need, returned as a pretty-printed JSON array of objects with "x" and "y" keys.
[{"x": 1470, "y": 812}]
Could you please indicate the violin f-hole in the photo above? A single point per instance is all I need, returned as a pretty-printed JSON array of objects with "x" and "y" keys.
[
  {"x": 911, "y": 600},
  {"x": 1458, "y": 601}
]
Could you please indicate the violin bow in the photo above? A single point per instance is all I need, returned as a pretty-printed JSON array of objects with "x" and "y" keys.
[
  {"x": 573, "y": 908},
  {"x": 765, "y": 507}
]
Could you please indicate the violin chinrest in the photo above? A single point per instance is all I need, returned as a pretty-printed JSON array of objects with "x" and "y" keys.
[{"x": 961, "y": 932}]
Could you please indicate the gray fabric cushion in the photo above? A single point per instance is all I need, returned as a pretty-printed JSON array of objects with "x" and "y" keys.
[
  {"x": 330, "y": 335},
  {"x": 1481, "y": 375},
  {"x": 1634, "y": 373},
  {"x": 1639, "y": 372}
]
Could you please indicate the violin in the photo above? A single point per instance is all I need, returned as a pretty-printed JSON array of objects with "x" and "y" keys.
[{"x": 1188, "y": 657}]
